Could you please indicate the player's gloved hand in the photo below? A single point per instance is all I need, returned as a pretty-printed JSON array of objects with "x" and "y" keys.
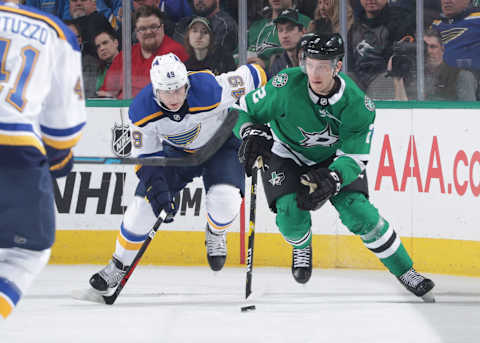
[
  {"x": 161, "y": 199},
  {"x": 257, "y": 141},
  {"x": 318, "y": 186}
]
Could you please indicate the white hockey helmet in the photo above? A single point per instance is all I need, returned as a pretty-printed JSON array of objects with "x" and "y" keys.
[{"x": 167, "y": 73}]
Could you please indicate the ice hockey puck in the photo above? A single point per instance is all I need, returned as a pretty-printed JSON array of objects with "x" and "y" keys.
[{"x": 248, "y": 308}]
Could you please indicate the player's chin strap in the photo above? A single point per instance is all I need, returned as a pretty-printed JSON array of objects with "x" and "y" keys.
[{"x": 195, "y": 159}]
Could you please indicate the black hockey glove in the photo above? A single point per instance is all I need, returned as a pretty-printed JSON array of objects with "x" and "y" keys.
[
  {"x": 318, "y": 186},
  {"x": 257, "y": 141},
  {"x": 161, "y": 199}
]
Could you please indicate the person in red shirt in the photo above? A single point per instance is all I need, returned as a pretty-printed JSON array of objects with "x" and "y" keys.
[{"x": 152, "y": 42}]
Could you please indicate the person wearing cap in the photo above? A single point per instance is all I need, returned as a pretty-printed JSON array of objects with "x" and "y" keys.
[
  {"x": 312, "y": 127},
  {"x": 204, "y": 54},
  {"x": 263, "y": 41},
  {"x": 223, "y": 25},
  {"x": 290, "y": 30}
]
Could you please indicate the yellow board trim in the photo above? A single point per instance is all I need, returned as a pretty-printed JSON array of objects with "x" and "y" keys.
[
  {"x": 445, "y": 256},
  {"x": 5, "y": 307}
]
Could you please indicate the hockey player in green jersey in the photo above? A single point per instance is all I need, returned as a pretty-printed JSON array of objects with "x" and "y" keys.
[{"x": 313, "y": 126}]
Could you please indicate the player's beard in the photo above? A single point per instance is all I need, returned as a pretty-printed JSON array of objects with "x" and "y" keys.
[{"x": 205, "y": 11}]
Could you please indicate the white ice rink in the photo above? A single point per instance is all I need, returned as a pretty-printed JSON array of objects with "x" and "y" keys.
[{"x": 193, "y": 304}]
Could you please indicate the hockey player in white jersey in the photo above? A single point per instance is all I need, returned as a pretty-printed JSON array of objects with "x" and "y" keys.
[
  {"x": 173, "y": 116},
  {"x": 42, "y": 113}
]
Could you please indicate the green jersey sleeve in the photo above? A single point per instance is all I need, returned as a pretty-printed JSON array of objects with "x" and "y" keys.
[
  {"x": 259, "y": 107},
  {"x": 356, "y": 132}
]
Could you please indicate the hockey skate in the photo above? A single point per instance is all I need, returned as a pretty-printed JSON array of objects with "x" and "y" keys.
[
  {"x": 302, "y": 264},
  {"x": 418, "y": 285},
  {"x": 216, "y": 244},
  {"x": 106, "y": 280}
]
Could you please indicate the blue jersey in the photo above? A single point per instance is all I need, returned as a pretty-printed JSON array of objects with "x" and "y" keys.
[
  {"x": 461, "y": 38},
  {"x": 208, "y": 100}
]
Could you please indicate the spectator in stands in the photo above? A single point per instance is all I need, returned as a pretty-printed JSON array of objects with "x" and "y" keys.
[
  {"x": 326, "y": 17},
  {"x": 224, "y": 27},
  {"x": 89, "y": 63},
  {"x": 254, "y": 9},
  {"x": 89, "y": 22},
  {"x": 442, "y": 82},
  {"x": 169, "y": 8},
  {"x": 370, "y": 43},
  {"x": 290, "y": 30},
  {"x": 263, "y": 39},
  {"x": 460, "y": 31},
  {"x": 107, "y": 49},
  {"x": 176, "y": 9},
  {"x": 152, "y": 42},
  {"x": 55, "y": 7},
  {"x": 108, "y": 8},
  {"x": 200, "y": 45}
]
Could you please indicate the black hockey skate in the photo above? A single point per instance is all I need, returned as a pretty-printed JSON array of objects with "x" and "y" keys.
[
  {"x": 418, "y": 285},
  {"x": 106, "y": 280},
  {"x": 216, "y": 244},
  {"x": 302, "y": 264}
]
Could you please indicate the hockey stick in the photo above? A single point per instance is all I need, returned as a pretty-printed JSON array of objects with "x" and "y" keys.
[
  {"x": 251, "y": 232},
  {"x": 110, "y": 299},
  {"x": 195, "y": 159}
]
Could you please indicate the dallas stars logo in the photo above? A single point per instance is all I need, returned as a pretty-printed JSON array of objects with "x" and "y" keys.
[
  {"x": 277, "y": 178},
  {"x": 325, "y": 137}
]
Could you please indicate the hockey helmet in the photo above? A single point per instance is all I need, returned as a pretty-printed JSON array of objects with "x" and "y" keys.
[
  {"x": 325, "y": 46},
  {"x": 168, "y": 73}
]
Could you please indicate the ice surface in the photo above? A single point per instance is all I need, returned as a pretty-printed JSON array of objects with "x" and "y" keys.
[{"x": 194, "y": 304}]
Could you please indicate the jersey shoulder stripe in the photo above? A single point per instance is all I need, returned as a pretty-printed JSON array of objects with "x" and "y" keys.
[
  {"x": 205, "y": 92},
  {"x": 62, "y": 31},
  {"x": 473, "y": 15},
  {"x": 258, "y": 74},
  {"x": 143, "y": 109}
]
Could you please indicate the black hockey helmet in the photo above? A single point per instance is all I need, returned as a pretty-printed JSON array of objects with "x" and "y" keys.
[{"x": 325, "y": 46}]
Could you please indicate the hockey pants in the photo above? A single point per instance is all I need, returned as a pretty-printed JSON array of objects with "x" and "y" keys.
[{"x": 358, "y": 215}]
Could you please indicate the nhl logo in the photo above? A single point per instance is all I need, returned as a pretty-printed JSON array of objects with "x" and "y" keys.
[
  {"x": 323, "y": 101},
  {"x": 121, "y": 140}
]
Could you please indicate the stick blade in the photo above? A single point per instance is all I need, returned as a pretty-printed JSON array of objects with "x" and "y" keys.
[{"x": 88, "y": 295}]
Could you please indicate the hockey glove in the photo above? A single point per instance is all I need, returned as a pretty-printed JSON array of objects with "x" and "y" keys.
[
  {"x": 257, "y": 141},
  {"x": 318, "y": 186},
  {"x": 161, "y": 199}
]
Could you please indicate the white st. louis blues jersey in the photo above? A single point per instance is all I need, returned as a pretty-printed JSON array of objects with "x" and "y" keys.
[
  {"x": 41, "y": 86},
  {"x": 208, "y": 99}
]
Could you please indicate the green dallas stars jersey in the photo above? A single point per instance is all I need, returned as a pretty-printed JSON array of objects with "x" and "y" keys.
[{"x": 308, "y": 132}]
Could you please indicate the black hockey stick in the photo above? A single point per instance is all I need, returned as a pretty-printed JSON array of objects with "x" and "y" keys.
[
  {"x": 110, "y": 299},
  {"x": 251, "y": 231},
  {"x": 195, "y": 159}
]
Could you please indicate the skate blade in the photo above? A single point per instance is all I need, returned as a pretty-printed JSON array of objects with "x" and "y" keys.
[
  {"x": 428, "y": 297},
  {"x": 88, "y": 295}
]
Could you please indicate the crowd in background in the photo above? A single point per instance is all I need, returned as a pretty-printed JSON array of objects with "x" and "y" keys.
[{"x": 381, "y": 41}]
